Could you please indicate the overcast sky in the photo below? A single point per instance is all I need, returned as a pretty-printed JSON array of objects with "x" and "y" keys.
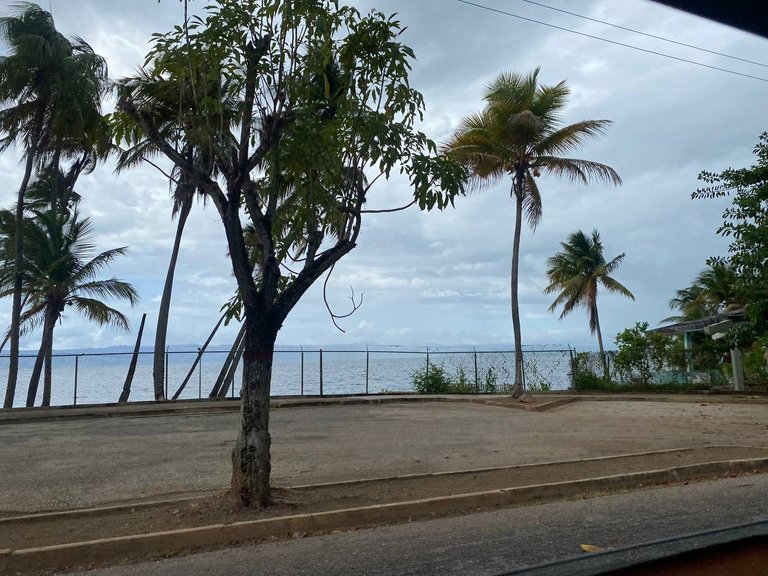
[{"x": 443, "y": 278}]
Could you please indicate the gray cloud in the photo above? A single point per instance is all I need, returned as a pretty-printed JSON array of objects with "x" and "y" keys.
[{"x": 443, "y": 277}]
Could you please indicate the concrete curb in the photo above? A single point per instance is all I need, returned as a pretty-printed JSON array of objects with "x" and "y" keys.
[
  {"x": 543, "y": 407},
  {"x": 116, "y": 507},
  {"x": 183, "y": 407},
  {"x": 33, "y": 560}
]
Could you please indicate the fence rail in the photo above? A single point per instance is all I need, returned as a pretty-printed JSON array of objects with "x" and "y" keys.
[{"x": 97, "y": 378}]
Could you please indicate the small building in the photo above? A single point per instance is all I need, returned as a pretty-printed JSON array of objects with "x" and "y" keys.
[{"x": 715, "y": 326}]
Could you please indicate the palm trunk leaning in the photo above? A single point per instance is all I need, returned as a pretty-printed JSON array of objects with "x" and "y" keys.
[
  {"x": 42, "y": 359},
  {"x": 198, "y": 358},
  {"x": 228, "y": 361},
  {"x": 132, "y": 367},
  {"x": 158, "y": 368},
  {"x": 18, "y": 263}
]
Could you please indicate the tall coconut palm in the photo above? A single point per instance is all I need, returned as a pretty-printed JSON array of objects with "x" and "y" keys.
[
  {"x": 171, "y": 107},
  {"x": 59, "y": 272},
  {"x": 519, "y": 134},
  {"x": 50, "y": 92},
  {"x": 575, "y": 274}
]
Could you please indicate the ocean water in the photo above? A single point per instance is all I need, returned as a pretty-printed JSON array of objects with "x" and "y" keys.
[{"x": 97, "y": 378}]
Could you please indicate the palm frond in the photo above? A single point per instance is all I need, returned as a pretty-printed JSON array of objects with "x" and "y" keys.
[
  {"x": 111, "y": 288},
  {"x": 615, "y": 286},
  {"x": 571, "y": 137},
  {"x": 532, "y": 201},
  {"x": 577, "y": 170},
  {"x": 98, "y": 312}
]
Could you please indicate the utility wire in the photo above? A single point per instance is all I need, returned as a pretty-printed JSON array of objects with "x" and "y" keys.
[
  {"x": 505, "y": 13},
  {"x": 645, "y": 34}
]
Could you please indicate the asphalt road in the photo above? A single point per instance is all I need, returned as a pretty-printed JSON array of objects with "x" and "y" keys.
[{"x": 487, "y": 543}]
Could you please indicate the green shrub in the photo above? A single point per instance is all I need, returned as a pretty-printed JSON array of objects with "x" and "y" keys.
[
  {"x": 755, "y": 366},
  {"x": 436, "y": 380},
  {"x": 540, "y": 386},
  {"x": 586, "y": 368},
  {"x": 431, "y": 380},
  {"x": 641, "y": 353},
  {"x": 491, "y": 381}
]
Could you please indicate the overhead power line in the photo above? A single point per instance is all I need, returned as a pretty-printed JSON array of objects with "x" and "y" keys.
[
  {"x": 695, "y": 63},
  {"x": 646, "y": 34}
]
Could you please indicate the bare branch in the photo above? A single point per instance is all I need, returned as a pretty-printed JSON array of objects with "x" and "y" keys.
[
  {"x": 389, "y": 209},
  {"x": 156, "y": 167},
  {"x": 334, "y": 316}
]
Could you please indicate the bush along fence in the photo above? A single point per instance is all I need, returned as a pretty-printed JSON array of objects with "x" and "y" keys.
[
  {"x": 98, "y": 378},
  {"x": 615, "y": 372}
]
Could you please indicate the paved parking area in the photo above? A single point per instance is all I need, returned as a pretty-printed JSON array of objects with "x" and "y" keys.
[{"x": 77, "y": 463}]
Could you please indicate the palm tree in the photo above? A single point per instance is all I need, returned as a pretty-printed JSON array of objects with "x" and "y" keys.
[
  {"x": 519, "y": 135},
  {"x": 171, "y": 102},
  {"x": 50, "y": 91},
  {"x": 713, "y": 291},
  {"x": 576, "y": 273},
  {"x": 58, "y": 273}
]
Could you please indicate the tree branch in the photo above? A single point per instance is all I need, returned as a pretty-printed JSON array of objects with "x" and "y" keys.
[{"x": 334, "y": 316}]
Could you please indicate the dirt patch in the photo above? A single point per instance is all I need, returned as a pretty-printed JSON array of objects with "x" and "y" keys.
[{"x": 46, "y": 530}]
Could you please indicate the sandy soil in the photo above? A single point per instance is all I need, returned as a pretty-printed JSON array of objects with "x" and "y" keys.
[{"x": 75, "y": 464}]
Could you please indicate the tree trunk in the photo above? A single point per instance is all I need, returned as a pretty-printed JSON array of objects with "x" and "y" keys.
[
  {"x": 54, "y": 167},
  {"x": 34, "y": 380},
  {"x": 227, "y": 363},
  {"x": 199, "y": 356},
  {"x": 600, "y": 342},
  {"x": 18, "y": 263},
  {"x": 47, "y": 374},
  {"x": 232, "y": 369},
  {"x": 251, "y": 455},
  {"x": 158, "y": 369},
  {"x": 132, "y": 368},
  {"x": 517, "y": 191}
]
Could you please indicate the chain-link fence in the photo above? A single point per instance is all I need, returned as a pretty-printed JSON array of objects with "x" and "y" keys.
[
  {"x": 90, "y": 378},
  {"x": 593, "y": 371}
]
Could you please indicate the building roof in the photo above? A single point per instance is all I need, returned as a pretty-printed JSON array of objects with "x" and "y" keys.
[{"x": 699, "y": 324}]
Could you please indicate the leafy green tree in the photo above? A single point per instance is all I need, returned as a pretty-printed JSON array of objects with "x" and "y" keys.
[
  {"x": 519, "y": 134},
  {"x": 641, "y": 353},
  {"x": 59, "y": 273},
  {"x": 575, "y": 274},
  {"x": 50, "y": 93},
  {"x": 270, "y": 57},
  {"x": 745, "y": 222}
]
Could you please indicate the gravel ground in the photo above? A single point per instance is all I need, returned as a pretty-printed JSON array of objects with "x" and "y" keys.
[{"x": 79, "y": 463}]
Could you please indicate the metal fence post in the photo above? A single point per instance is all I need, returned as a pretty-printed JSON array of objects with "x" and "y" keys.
[
  {"x": 427, "y": 373},
  {"x": 166, "y": 375},
  {"x": 477, "y": 380},
  {"x": 321, "y": 372},
  {"x": 367, "y": 364},
  {"x": 522, "y": 367},
  {"x": 74, "y": 399},
  {"x": 200, "y": 379},
  {"x": 302, "y": 370}
]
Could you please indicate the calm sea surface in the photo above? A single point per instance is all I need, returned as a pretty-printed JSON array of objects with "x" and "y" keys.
[{"x": 88, "y": 378}]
